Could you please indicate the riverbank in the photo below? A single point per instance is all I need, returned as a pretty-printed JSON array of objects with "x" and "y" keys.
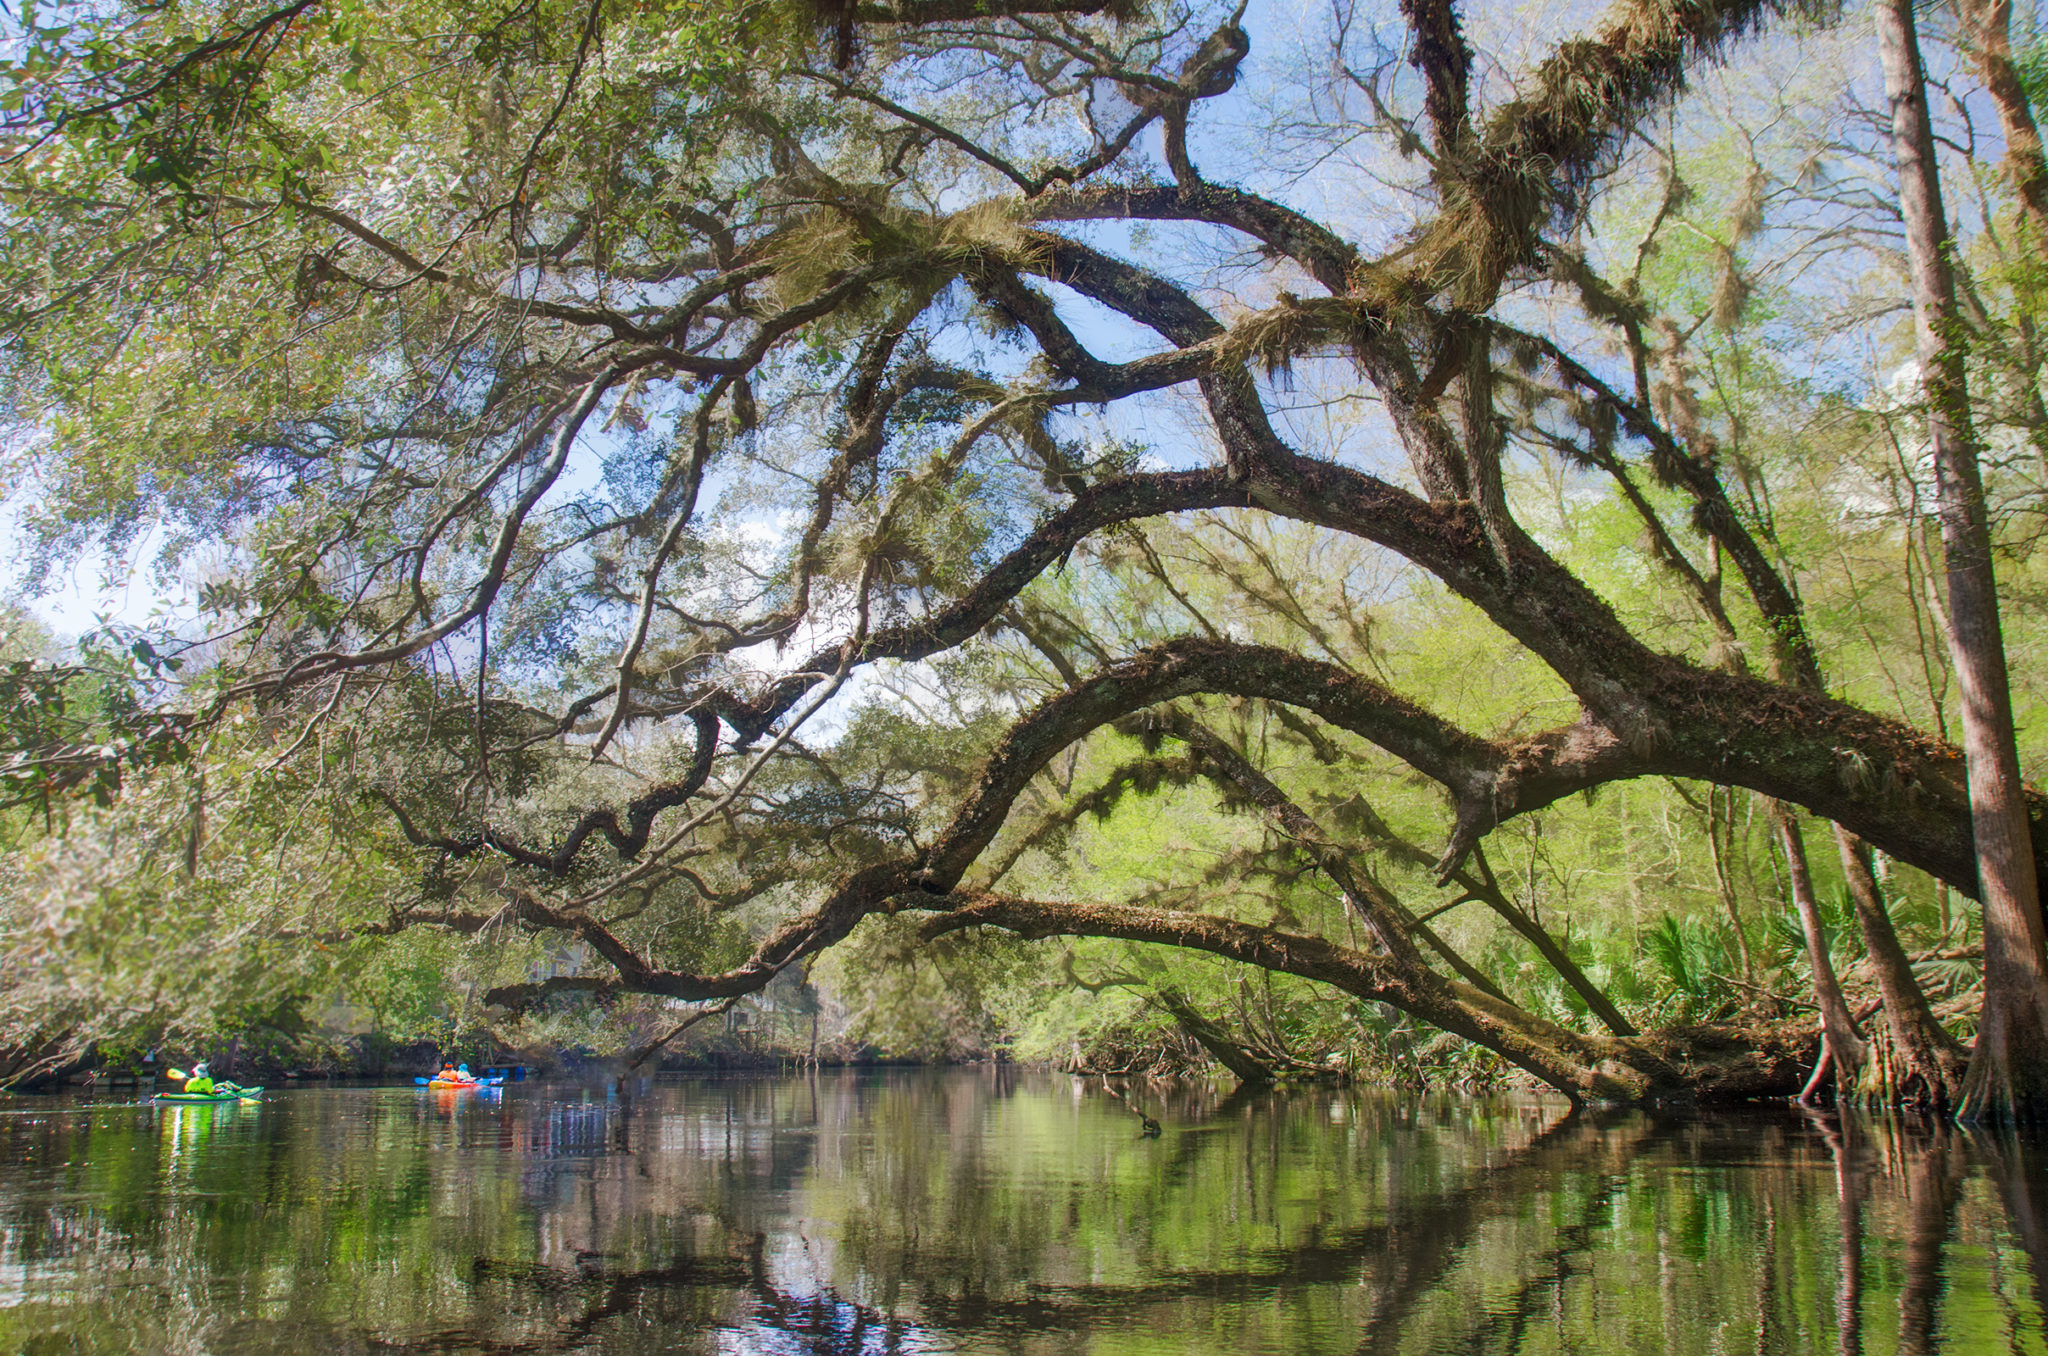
[{"x": 375, "y": 1062}]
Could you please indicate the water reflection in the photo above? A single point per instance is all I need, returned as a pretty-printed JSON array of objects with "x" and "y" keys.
[{"x": 995, "y": 1211}]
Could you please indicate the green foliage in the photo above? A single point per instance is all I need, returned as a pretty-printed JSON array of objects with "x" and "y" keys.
[{"x": 73, "y": 729}]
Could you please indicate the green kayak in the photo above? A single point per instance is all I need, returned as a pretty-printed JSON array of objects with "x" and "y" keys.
[{"x": 209, "y": 1097}]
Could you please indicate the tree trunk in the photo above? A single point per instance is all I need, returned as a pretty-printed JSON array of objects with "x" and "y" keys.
[
  {"x": 2008, "y": 1076},
  {"x": 1844, "y": 1043},
  {"x": 1932, "y": 1072}
]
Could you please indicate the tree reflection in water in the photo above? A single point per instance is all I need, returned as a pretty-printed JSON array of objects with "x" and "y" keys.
[{"x": 992, "y": 1211}]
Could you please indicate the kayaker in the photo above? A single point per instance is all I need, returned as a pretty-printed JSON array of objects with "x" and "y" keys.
[
  {"x": 200, "y": 1081},
  {"x": 463, "y": 1075}
]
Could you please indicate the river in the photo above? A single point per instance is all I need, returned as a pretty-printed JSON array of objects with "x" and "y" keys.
[{"x": 1001, "y": 1210}]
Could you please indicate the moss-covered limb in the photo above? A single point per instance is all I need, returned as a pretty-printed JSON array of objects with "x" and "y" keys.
[
  {"x": 1681, "y": 1064},
  {"x": 1374, "y": 905},
  {"x": 1485, "y": 888},
  {"x": 1795, "y": 658},
  {"x": 1379, "y": 978},
  {"x": 1329, "y": 258},
  {"x": 1535, "y": 599},
  {"x": 1638, "y": 695},
  {"x": 1882, "y": 779},
  {"x": 1476, "y": 882},
  {"x": 1146, "y": 297},
  {"x": 1440, "y": 52},
  {"x": 1066, "y": 355},
  {"x": 1532, "y": 154},
  {"x": 1438, "y": 534}
]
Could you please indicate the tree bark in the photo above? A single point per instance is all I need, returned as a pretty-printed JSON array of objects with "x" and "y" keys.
[
  {"x": 2008, "y": 1076},
  {"x": 1933, "y": 1059}
]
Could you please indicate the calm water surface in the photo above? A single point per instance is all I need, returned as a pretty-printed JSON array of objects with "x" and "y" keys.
[{"x": 998, "y": 1211}]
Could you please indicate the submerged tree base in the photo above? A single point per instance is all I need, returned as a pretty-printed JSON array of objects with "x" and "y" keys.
[{"x": 1729, "y": 1063}]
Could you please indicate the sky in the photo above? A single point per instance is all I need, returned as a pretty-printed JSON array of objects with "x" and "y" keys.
[{"x": 96, "y": 589}]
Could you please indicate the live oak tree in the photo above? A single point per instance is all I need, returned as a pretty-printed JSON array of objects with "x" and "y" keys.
[{"x": 565, "y": 406}]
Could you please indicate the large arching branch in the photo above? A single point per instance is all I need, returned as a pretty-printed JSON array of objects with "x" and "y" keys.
[
  {"x": 1584, "y": 1067},
  {"x": 860, "y": 894}
]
